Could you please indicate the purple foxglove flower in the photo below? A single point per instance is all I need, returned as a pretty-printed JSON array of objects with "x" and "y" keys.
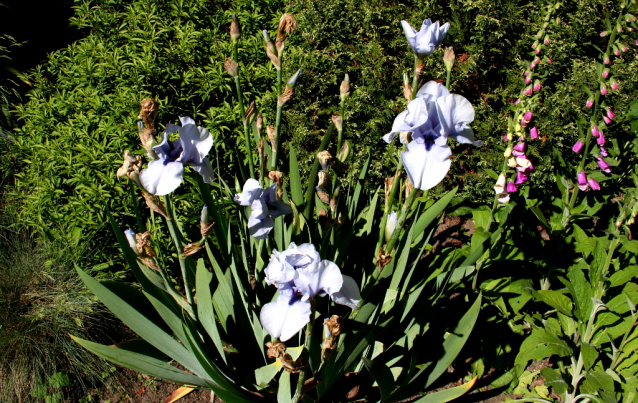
[
  {"x": 636, "y": 42},
  {"x": 528, "y": 80},
  {"x": 605, "y": 73},
  {"x": 582, "y": 180},
  {"x": 519, "y": 150},
  {"x": 589, "y": 103},
  {"x": 164, "y": 174},
  {"x": 601, "y": 139},
  {"x": 537, "y": 86},
  {"x": 521, "y": 177},
  {"x": 610, "y": 114},
  {"x": 499, "y": 186},
  {"x": 264, "y": 207},
  {"x": 425, "y": 41},
  {"x": 603, "y": 165},
  {"x": 614, "y": 85},
  {"x": 603, "y": 89},
  {"x": 524, "y": 122},
  {"x": 533, "y": 133},
  {"x": 603, "y": 152},
  {"x": 607, "y": 120},
  {"x": 593, "y": 184},
  {"x": 505, "y": 139},
  {"x": 511, "y": 187},
  {"x": 528, "y": 116},
  {"x": 300, "y": 274},
  {"x": 578, "y": 146},
  {"x": 594, "y": 131}
]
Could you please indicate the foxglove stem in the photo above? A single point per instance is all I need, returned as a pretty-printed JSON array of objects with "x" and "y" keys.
[{"x": 306, "y": 352}]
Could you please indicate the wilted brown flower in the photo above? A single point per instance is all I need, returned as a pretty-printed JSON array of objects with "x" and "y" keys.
[{"x": 231, "y": 67}]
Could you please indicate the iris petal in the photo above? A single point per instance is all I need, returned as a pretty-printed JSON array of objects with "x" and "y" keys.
[
  {"x": 426, "y": 168},
  {"x": 349, "y": 294},
  {"x": 161, "y": 177},
  {"x": 320, "y": 279},
  {"x": 285, "y": 317}
]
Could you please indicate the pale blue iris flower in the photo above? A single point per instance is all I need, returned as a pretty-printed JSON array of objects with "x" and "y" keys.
[
  {"x": 165, "y": 174},
  {"x": 425, "y": 41},
  {"x": 300, "y": 274},
  {"x": 427, "y": 159},
  {"x": 264, "y": 207}
]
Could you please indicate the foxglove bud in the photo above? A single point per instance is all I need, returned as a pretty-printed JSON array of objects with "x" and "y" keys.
[
  {"x": 511, "y": 187},
  {"x": 614, "y": 84},
  {"x": 623, "y": 47},
  {"x": 593, "y": 184},
  {"x": 533, "y": 133},
  {"x": 589, "y": 103},
  {"x": 578, "y": 146},
  {"x": 448, "y": 58},
  {"x": 603, "y": 89},
  {"x": 603, "y": 165},
  {"x": 508, "y": 152},
  {"x": 601, "y": 138},
  {"x": 603, "y": 152},
  {"x": 550, "y": 60},
  {"x": 605, "y": 73},
  {"x": 546, "y": 40},
  {"x": 616, "y": 50},
  {"x": 518, "y": 150},
  {"x": 505, "y": 137},
  {"x": 528, "y": 80},
  {"x": 499, "y": 186},
  {"x": 606, "y": 60},
  {"x": 607, "y": 120},
  {"x": 618, "y": 27},
  {"x": 235, "y": 29},
  {"x": 510, "y": 136},
  {"x": 594, "y": 131},
  {"x": 132, "y": 242},
  {"x": 604, "y": 34},
  {"x": 517, "y": 101},
  {"x": 610, "y": 114},
  {"x": 537, "y": 60},
  {"x": 582, "y": 180},
  {"x": 527, "y": 117},
  {"x": 537, "y": 50},
  {"x": 511, "y": 162},
  {"x": 537, "y": 86},
  {"x": 528, "y": 91},
  {"x": 527, "y": 73},
  {"x": 531, "y": 66}
]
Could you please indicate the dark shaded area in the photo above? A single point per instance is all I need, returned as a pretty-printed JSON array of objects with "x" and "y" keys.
[{"x": 42, "y": 26}]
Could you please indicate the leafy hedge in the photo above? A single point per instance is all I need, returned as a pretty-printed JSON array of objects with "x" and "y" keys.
[{"x": 82, "y": 114}]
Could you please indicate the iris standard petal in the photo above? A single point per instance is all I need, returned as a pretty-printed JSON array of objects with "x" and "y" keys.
[
  {"x": 410, "y": 33},
  {"x": 196, "y": 142},
  {"x": 455, "y": 113},
  {"x": 278, "y": 208},
  {"x": 349, "y": 294},
  {"x": 409, "y": 120},
  {"x": 285, "y": 317},
  {"x": 162, "y": 177},
  {"x": 426, "y": 168},
  {"x": 260, "y": 227},
  {"x": 319, "y": 279},
  {"x": 432, "y": 91},
  {"x": 251, "y": 192}
]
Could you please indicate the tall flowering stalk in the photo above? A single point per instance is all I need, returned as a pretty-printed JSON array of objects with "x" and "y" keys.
[
  {"x": 521, "y": 127},
  {"x": 602, "y": 116}
]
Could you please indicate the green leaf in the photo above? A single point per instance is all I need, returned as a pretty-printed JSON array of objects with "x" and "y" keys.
[
  {"x": 623, "y": 275},
  {"x": 590, "y": 355},
  {"x": 556, "y": 300},
  {"x": 205, "y": 312},
  {"x": 264, "y": 375},
  {"x": 446, "y": 395},
  {"x": 455, "y": 341},
  {"x": 581, "y": 291},
  {"x": 430, "y": 214},
  {"x": 382, "y": 375},
  {"x": 141, "y": 363},
  {"x": 554, "y": 379},
  {"x": 541, "y": 344},
  {"x": 296, "y": 190},
  {"x": 283, "y": 392}
]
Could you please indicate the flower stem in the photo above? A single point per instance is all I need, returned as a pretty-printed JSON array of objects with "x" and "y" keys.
[
  {"x": 447, "y": 80},
  {"x": 240, "y": 98},
  {"x": 388, "y": 206},
  {"x": 340, "y": 131},
  {"x": 306, "y": 354},
  {"x": 138, "y": 216},
  {"x": 179, "y": 244},
  {"x": 407, "y": 206}
]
